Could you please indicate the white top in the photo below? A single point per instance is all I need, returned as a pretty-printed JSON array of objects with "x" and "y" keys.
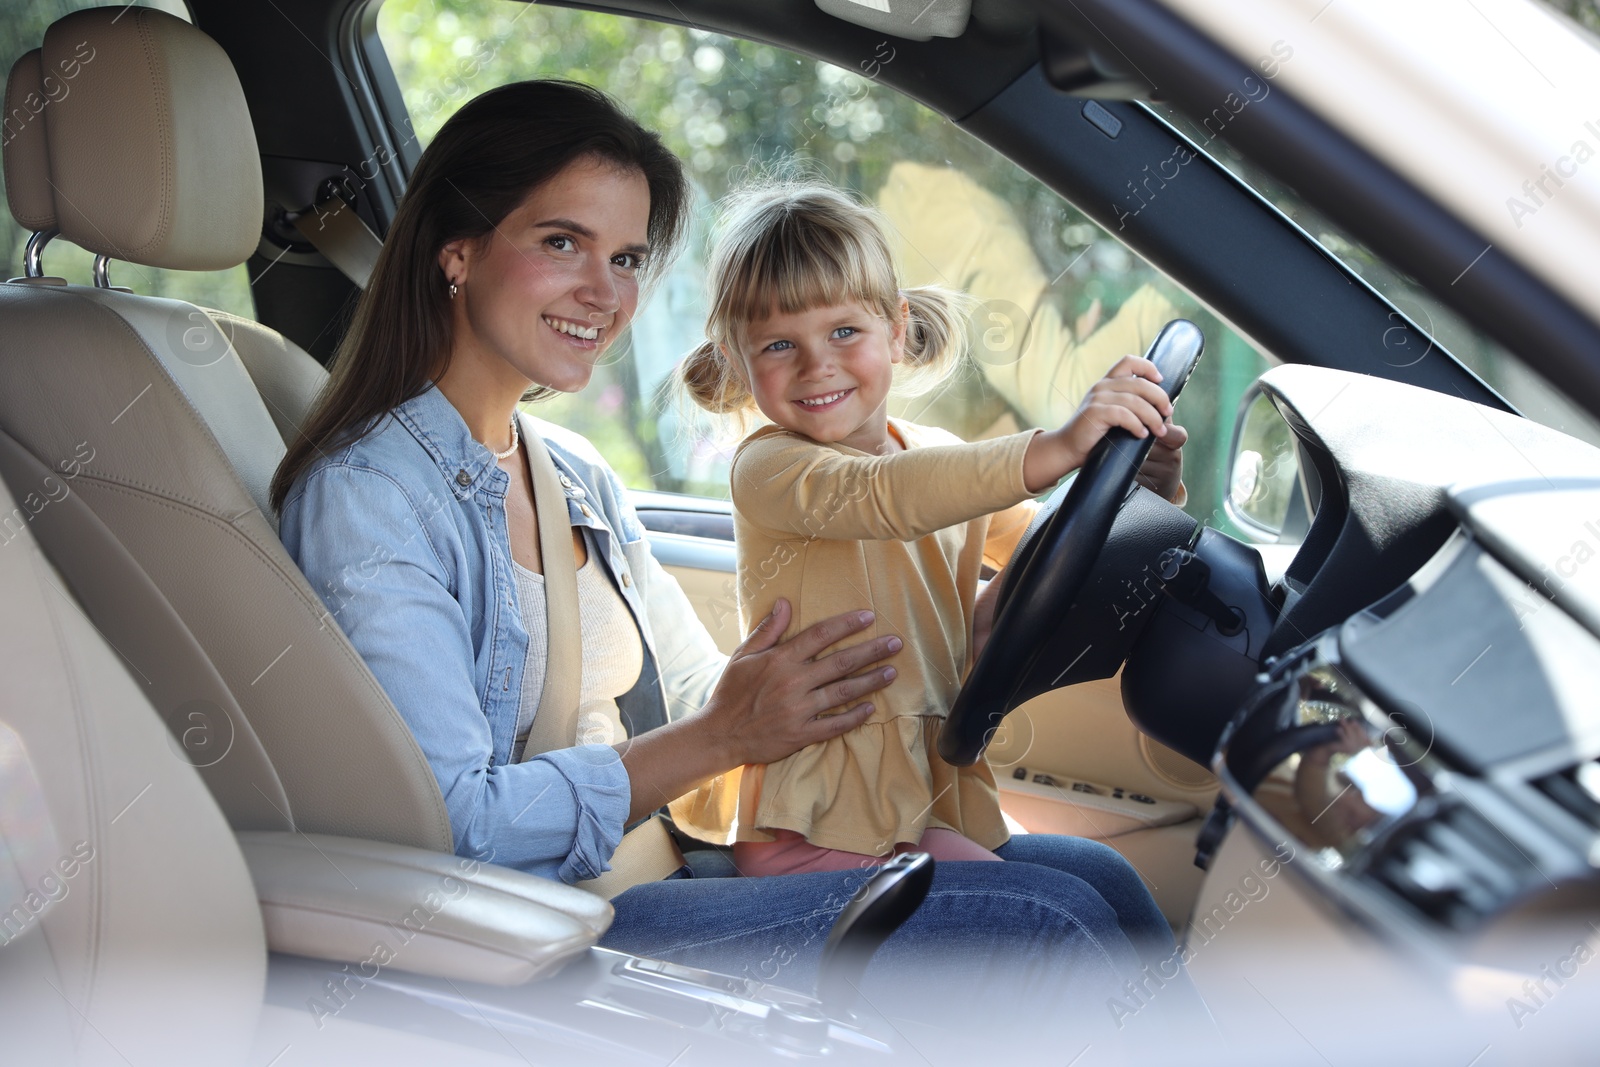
[{"x": 613, "y": 654}]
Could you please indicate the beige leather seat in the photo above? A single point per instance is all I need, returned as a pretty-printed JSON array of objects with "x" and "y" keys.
[
  {"x": 27, "y": 163},
  {"x": 138, "y": 925},
  {"x": 130, "y": 929},
  {"x": 147, "y": 418}
]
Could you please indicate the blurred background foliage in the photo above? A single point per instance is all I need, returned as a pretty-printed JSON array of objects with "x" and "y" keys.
[{"x": 1585, "y": 13}]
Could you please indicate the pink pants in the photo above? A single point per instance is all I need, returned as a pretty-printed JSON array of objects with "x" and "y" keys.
[{"x": 793, "y": 854}]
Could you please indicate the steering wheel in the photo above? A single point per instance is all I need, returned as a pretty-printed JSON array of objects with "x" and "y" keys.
[{"x": 1052, "y": 567}]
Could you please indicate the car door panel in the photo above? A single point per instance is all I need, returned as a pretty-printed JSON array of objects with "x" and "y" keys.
[{"x": 1147, "y": 802}]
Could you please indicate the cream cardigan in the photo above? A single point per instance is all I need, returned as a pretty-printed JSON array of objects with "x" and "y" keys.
[{"x": 834, "y": 529}]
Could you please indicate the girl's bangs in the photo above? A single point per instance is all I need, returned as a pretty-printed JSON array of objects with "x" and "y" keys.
[{"x": 791, "y": 269}]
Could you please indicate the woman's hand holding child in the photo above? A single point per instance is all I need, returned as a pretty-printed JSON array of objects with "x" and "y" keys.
[{"x": 771, "y": 697}]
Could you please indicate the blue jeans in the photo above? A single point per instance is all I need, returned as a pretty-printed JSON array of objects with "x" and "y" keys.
[
  {"x": 1065, "y": 922},
  {"x": 1111, "y": 876}
]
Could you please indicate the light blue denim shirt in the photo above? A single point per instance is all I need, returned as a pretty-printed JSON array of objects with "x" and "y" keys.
[{"x": 403, "y": 535}]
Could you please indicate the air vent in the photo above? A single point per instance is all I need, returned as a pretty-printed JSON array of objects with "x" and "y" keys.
[
  {"x": 1577, "y": 790},
  {"x": 1456, "y": 868}
]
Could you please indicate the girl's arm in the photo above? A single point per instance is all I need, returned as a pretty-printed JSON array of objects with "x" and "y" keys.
[
  {"x": 1127, "y": 398},
  {"x": 1162, "y": 474},
  {"x": 790, "y": 485},
  {"x": 793, "y": 486}
]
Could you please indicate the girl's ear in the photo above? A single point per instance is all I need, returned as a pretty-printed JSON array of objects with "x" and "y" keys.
[{"x": 897, "y": 335}]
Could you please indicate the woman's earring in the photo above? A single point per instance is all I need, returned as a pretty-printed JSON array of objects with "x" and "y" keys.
[{"x": 452, "y": 290}]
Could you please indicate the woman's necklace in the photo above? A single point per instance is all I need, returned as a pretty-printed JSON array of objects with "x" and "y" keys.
[{"x": 516, "y": 439}]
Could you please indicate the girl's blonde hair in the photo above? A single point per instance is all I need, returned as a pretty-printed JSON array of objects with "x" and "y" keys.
[{"x": 790, "y": 247}]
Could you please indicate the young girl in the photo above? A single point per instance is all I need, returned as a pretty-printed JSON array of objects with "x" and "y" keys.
[{"x": 836, "y": 504}]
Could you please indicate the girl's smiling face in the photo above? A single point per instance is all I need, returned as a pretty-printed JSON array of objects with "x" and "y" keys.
[{"x": 825, "y": 372}]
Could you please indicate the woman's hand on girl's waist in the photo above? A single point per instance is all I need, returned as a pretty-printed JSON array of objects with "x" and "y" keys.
[
  {"x": 773, "y": 695},
  {"x": 768, "y": 704}
]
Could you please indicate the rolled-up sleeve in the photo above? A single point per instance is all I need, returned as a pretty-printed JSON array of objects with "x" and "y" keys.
[
  {"x": 582, "y": 826},
  {"x": 388, "y": 576}
]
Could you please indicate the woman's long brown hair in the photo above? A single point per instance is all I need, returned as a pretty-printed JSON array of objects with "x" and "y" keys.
[{"x": 483, "y": 163}]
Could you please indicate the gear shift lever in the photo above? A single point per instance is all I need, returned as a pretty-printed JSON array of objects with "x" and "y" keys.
[{"x": 887, "y": 900}]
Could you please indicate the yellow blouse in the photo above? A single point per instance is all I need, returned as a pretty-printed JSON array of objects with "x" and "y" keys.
[{"x": 834, "y": 529}]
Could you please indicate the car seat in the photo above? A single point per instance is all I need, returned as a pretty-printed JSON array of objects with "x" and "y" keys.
[
  {"x": 130, "y": 930},
  {"x": 137, "y": 429}
]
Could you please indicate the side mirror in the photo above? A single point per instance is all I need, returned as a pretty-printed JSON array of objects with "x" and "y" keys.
[{"x": 1265, "y": 498}]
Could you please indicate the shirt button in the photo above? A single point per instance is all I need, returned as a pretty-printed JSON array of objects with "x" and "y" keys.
[
  {"x": 463, "y": 478},
  {"x": 586, "y": 512},
  {"x": 566, "y": 483},
  {"x": 626, "y": 580}
]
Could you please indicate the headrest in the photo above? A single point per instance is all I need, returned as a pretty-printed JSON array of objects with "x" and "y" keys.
[
  {"x": 152, "y": 151},
  {"x": 26, "y": 152}
]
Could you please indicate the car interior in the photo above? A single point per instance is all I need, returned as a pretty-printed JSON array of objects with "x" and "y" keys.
[{"x": 222, "y": 843}]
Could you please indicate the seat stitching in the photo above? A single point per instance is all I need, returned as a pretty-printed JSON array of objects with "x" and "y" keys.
[{"x": 163, "y": 132}]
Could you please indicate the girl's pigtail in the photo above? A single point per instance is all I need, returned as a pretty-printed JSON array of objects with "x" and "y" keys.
[
  {"x": 936, "y": 331},
  {"x": 711, "y": 384}
]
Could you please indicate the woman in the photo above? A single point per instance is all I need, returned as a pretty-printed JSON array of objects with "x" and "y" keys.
[{"x": 515, "y": 258}]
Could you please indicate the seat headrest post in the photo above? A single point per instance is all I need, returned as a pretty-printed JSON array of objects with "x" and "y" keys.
[
  {"x": 33, "y": 254},
  {"x": 152, "y": 154}
]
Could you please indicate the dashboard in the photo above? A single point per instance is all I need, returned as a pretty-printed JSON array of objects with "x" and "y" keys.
[{"x": 1424, "y": 729}]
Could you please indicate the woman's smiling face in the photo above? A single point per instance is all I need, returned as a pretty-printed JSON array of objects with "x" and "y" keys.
[
  {"x": 543, "y": 293},
  {"x": 825, "y": 372}
]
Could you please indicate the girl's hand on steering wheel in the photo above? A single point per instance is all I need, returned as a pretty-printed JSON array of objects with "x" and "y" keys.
[
  {"x": 1127, "y": 398},
  {"x": 772, "y": 695}
]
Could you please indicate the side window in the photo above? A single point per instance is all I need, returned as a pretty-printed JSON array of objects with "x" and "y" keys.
[
  {"x": 1058, "y": 299},
  {"x": 22, "y": 26}
]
